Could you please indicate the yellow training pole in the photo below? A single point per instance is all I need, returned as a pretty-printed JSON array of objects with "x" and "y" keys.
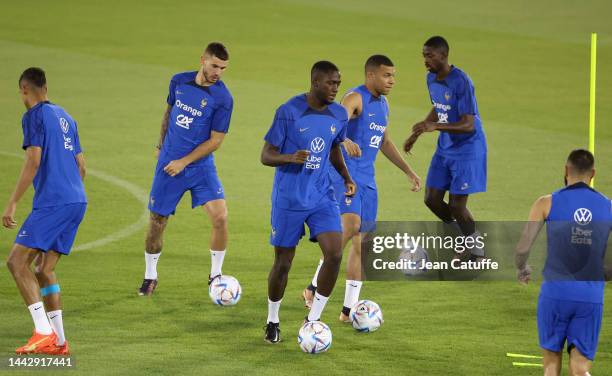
[{"x": 592, "y": 97}]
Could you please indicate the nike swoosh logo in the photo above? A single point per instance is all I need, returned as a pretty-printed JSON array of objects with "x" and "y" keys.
[
  {"x": 371, "y": 114},
  {"x": 303, "y": 129},
  {"x": 22, "y": 236},
  {"x": 352, "y": 285},
  {"x": 51, "y": 318},
  {"x": 36, "y": 309}
]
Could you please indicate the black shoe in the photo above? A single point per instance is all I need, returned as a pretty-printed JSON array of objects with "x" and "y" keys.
[
  {"x": 147, "y": 288},
  {"x": 211, "y": 279},
  {"x": 272, "y": 332}
]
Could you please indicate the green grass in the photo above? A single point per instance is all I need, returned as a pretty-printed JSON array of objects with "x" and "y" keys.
[{"x": 109, "y": 63}]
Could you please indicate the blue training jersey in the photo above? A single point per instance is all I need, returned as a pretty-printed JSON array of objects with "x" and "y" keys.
[
  {"x": 296, "y": 127},
  {"x": 367, "y": 131},
  {"x": 452, "y": 98},
  {"x": 57, "y": 181},
  {"x": 196, "y": 111},
  {"x": 577, "y": 230}
]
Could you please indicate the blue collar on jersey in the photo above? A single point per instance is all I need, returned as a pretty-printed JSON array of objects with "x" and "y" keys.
[
  {"x": 38, "y": 105},
  {"x": 311, "y": 110},
  {"x": 375, "y": 99},
  {"x": 195, "y": 84},
  {"x": 578, "y": 185},
  {"x": 443, "y": 81}
]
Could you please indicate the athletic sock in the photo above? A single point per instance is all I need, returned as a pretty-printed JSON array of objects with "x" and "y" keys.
[
  {"x": 316, "y": 275},
  {"x": 55, "y": 318},
  {"x": 151, "y": 265},
  {"x": 273, "y": 308},
  {"x": 318, "y": 304},
  {"x": 216, "y": 262},
  {"x": 41, "y": 322},
  {"x": 351, "y": 294}
]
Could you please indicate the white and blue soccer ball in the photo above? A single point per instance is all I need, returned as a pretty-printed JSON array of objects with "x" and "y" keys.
[
  {"x": 225, "y": 290},
  {"x": 366, "y": 316},
  {"x": 314, "y": 337},
  {"x": 413, "y": 258}
]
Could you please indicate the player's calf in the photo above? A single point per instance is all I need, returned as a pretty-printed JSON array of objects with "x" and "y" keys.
[
  {"x": 579, "y": 365},
  {"x": 155, "y": 232}
]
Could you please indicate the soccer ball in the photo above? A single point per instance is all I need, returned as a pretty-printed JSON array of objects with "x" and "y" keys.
[
  {"x": 415, "y": 258},
  {"x": 225, "y": 291},
  {"x": 366, "y": 316},
  {"x": 314, "y": 337}
]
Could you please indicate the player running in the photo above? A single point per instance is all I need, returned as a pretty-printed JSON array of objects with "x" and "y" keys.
[
  {"x": 459, "y": 164},
  {"x": 195, "y": 123},
  {"x": 56, "y": 167},
  {"x": 570, "y": 307},
  {"x": 368, "y": 110},
  {"x": 303, "y": 140}
]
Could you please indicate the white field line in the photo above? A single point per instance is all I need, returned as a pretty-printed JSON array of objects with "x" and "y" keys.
[{"x": 137, "y": 192}]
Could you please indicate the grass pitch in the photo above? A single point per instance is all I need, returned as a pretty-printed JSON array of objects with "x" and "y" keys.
[{"x": 109, "y": 64}]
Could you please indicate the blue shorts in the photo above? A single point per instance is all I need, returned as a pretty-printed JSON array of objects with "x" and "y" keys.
[
  {"x": 577, "y": 322},
  {"x": 52, "y": 228},
  {"x": 167, "y": 190},
  {"x": 364, "y": 203},
  {"x": 459, "y": 177},
  {"x": 288, "y": 225}
]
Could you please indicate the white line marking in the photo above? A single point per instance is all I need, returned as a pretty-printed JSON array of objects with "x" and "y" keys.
[{"x": 138, "y": 193}]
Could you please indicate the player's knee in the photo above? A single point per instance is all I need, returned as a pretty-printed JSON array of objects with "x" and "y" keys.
[
  {"x": 12, "y": 265},
  {"x": 282, "y": 266},
  {"x": 219, "y": 219},
  {"x": 157, "y": 221},
  {"x": 333, "y": 258},
  {"x": 457, "y": 209},
  {"x": 353, "y": 228},
  {"x": 43, "y": 274}
]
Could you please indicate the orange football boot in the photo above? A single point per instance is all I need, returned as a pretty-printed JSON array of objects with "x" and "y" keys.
[
  {"x": 36, "y": 343},
  {"x": 55, "y": 349}
]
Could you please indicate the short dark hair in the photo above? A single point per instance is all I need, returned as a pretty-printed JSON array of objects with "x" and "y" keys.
[
  {"x": 376, "y": 61},
  {"x": 437, "y": 42},
  {"x": 35, "y": 76},
  {"x": 581, "y": 160},
  {"x": 217, "y": 49},
  {"x": 323, "y": 66}
]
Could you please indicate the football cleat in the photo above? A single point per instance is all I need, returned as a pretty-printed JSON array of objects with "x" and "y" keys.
[
  {"x": 272, "y": 332},
  {"x": 55, "y": 349},
  {"x": 36, "y": 343},
  {"x": 147, "y": 288}
]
